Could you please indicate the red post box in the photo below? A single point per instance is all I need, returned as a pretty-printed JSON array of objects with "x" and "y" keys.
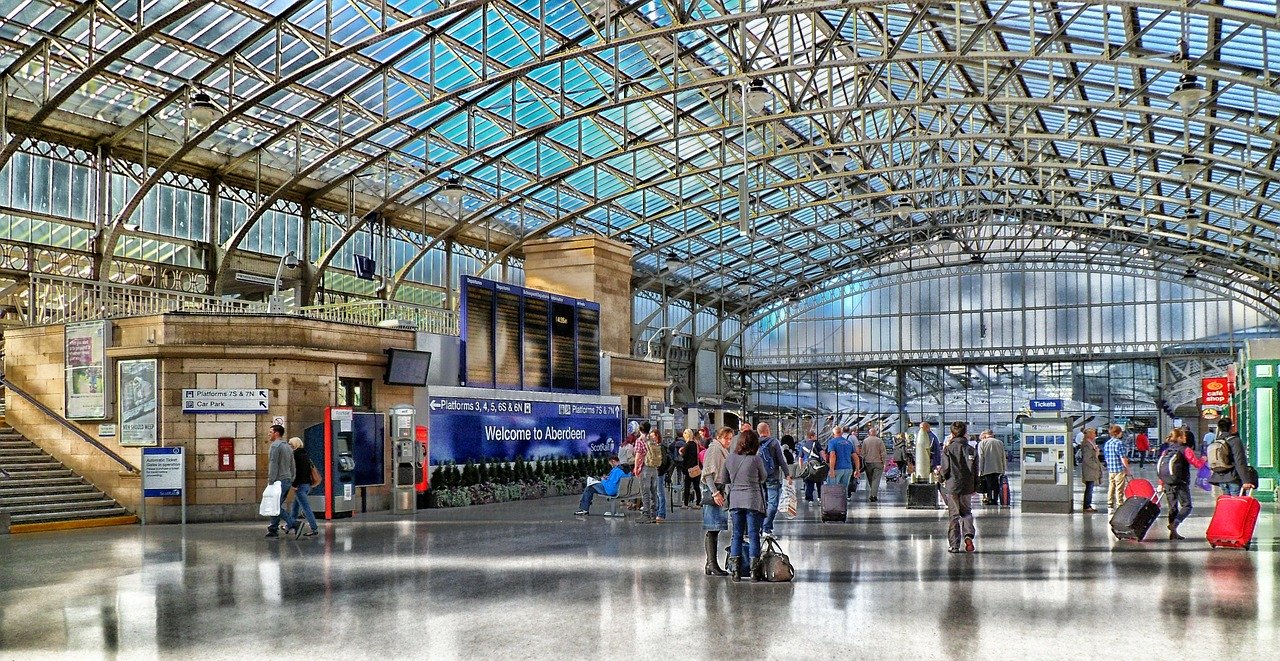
[{"x": 226, "y": 454}]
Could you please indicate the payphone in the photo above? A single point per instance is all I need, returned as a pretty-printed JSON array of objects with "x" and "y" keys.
[
  {"x": 407, "y": 457},
  {"x": 331, "y": 449},
  {"x": 1048, "y": 461}
]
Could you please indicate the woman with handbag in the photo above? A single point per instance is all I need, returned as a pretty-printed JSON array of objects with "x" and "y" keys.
[
  {"x": 305, "y": 477},
  {"x": 744, "y": 477},
  {"x": 689, "y": 466}
]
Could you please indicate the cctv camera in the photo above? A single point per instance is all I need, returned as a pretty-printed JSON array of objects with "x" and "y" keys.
[{"x": 291, "y": 261}]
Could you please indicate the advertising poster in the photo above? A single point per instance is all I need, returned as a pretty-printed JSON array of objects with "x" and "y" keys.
[
  {"x": 86, "y": 380},
  {"x": 138, "y": 420},
  {"x": 468, "y": 429}
]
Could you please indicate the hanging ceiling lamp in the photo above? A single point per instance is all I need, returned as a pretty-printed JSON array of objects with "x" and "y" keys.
[
  {"x": 672, "y": 262},
  {"x": 903, "y": 207},
  {"x": 1188, "y": 166},
  {"x": 758, "y": 97},
  {"x": 839, "y": 159},
  {"x": 1189, "y": 92},
  {"x": 201, "y": 112},
  {"x": 452, "y": 193}
]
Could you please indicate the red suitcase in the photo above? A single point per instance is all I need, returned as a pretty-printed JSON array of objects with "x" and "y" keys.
[
  {"x": 1234, "y": 518},
  {"x": 1139, "y": 488}
]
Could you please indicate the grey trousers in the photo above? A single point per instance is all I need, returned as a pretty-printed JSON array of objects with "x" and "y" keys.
[
  {"x": 960, "y": 525},
  {"x": 649, "y": 491},
  {"x": 874, "y": 473}
]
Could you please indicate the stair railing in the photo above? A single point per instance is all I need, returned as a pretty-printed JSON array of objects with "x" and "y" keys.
[{"x": 53, "y": 415}]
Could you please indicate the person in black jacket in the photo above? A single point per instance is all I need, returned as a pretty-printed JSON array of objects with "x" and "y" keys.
[
  {"x": 959, "y": 474},
  {"x": 689, "y": 461},
  {"x": 1240, "y": 475},
  {"x": 302, "y": 489}
]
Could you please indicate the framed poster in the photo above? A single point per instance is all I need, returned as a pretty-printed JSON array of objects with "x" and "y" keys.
[
  {"x": 138, "y": 418},
  {"x": 87, "y": 389}
]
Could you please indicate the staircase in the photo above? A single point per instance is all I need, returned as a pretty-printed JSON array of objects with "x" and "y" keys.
[{"x": 39, "y": 493}]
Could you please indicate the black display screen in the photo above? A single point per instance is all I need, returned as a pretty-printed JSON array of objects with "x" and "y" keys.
[
  {"x": 479, "y": 302},
  {"x": 564, "y": 360},
  {"x": 407, "y": 368},
  {"x": 506, "y": 339},
  {"x": 588, "y": 350},
  {"x": 536, "y": 342}
]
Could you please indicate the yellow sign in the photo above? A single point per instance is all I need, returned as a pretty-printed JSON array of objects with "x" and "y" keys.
[{"x": 1210, "y": 413}]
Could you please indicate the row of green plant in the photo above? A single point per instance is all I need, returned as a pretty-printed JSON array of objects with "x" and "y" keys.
[
  {"x": 453, "y": 476},
  {"x": 483, "y": 494}
]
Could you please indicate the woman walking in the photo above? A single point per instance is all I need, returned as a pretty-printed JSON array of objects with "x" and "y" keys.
[
  {"x": 302, "y": 489},
  {"x": 714, "y": 517},
  {"x": 744, "y": 476},
  {"x": 688, "y": 462}
]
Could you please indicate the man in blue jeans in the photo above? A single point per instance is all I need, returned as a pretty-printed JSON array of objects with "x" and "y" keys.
[
  {"x": 608, "y": 487},
  {"x": 280, "y": 468},
  {"x": 840, "y": 457},
  {"x": 774, "y": 472}
]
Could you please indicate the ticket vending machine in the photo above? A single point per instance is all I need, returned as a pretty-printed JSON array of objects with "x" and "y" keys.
[
  {"x": 407, "y": 457},
  {"x": 1048, "y": 461},
  {"x": 330, "y": 447}
]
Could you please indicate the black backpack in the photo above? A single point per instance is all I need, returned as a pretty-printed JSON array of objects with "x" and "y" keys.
[{"x": 1172, "y": 467}]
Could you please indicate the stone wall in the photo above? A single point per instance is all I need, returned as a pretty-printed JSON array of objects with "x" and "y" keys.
[
  {"x": 591, "y": 268},
  {"x": 298, "y": 360}
]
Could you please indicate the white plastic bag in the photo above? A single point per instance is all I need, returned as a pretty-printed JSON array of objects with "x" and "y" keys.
[
  {"x": 787, "y": 502},
  {"x": 270, "y": 500}
]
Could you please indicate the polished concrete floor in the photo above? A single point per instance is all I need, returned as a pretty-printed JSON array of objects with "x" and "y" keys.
[{"x": 529, "y": 580}]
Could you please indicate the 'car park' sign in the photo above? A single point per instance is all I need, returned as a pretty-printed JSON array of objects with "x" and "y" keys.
[{"x": 224, "y": 400}]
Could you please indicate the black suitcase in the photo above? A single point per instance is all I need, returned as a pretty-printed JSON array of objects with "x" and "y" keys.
[
  {"x": 1133, "y": 519},
  {"x": 922, "y": 496},
  {"x": 835, "y": 503}
]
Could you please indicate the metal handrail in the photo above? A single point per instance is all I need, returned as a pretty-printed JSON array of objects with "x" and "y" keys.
[
  {"x": 58, "y": 299},
  {"x": 67, "y": 424}
]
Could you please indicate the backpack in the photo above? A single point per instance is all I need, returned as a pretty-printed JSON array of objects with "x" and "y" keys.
[
  {"x": 963, "y": 472},
  {"x": 1172, "y": 467},
  {"x": 654, "y": 454},
  {"x": 1220, "y": 456},
  {"x": 770, "y": 465}
]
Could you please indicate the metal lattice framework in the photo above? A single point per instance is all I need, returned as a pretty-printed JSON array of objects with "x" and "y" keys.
[{"x": 773, "y": 148}]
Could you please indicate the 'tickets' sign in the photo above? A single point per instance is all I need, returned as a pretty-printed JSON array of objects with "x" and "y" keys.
[{"x": 1213, "y": 391}]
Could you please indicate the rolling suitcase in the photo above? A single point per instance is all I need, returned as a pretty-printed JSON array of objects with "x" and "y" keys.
[
  {"x": 1234, "y": 518},
  {"x": 1006, "y": 495},
  {"x": 835, "y": 503},
  {"x": 1133, "y": 519},
  {"x": 1139, "y": 488},
  {"x": 922, "y": 496}
]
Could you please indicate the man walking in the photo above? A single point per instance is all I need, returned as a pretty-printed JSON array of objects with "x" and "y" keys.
[
  {"x": 840, "y": 457},
  {"x": 280, "y": 468},
  {"x": 874, "y": 457},
  {"x": 810, "y": 448},
  {"x": 959, "y": 471},
  {"x": 1115, "y": 454},
  {"x": 991, "y": 465},
  {"x": 1229, "y": 461},
  {"x": 774, "y": 463}
]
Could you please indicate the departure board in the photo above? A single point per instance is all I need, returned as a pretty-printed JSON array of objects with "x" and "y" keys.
[
  {"x": 506, "y": 339},
  {"x": 564, "y": 355},
  {"x": 588, "y": 349},
  {"x": 537, "y": 350},
  {"x": 518, "y": 338},
  {"x": 478, "y": 311}
]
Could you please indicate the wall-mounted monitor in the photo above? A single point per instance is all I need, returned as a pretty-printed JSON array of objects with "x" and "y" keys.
[{"x": 406, "y": 367}]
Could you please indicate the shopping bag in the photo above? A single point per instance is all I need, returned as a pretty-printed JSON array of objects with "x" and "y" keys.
[
  {"x": 270, "y": 500},
  {"x": 787, "y": 502},
  {"x": 1202, "y": 478}
]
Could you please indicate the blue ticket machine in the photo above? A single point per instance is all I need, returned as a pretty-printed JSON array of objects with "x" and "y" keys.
[{"x": 330, "y": 446}]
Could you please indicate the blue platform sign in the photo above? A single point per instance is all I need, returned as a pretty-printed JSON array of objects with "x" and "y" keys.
[
  {"x": 1046, "y": 405},
  {"x": 162, "y": 472},
  {"x": 469, "y": 429}
]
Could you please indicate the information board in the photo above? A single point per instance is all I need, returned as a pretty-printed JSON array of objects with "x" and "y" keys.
[
  {"x": 524, "y": 339},
  {"x": 162, "y": 472},
  {"x": 470, "y": 428},
  {"x": 225, "y": 400}
]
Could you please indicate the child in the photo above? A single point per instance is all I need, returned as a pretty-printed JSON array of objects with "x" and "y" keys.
[{"x": 1174, "y": 469}]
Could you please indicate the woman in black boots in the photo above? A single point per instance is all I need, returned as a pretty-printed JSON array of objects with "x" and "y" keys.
[{"x": 714, "y": 515}]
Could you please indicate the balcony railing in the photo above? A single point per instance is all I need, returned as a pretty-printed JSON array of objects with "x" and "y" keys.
[
  {"x": 386, "y": 313},
  {"x": 59, "y": 300}
]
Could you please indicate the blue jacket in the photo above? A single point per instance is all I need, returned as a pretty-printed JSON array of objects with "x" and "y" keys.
[{"x": 610, "y": 483}]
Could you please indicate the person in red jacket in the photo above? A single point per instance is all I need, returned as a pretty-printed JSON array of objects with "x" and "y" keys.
[
  {"x": 1174, "y": 469},
  {"x": 1142, "y": 445}
]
